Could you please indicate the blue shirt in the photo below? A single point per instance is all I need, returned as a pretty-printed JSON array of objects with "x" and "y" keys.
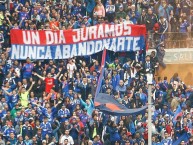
[
  {"x": 63, "y": 114},
  {"x": 8, "y": 131},
  {"x": 14, "y": 98},
  {"x": 23, "y": 15},
  {"x": 46, "y": 127},
  {"x": 27, "y": 70},
  {"x": 115, "y": 81},
  {"x": 84, "y": 118},
  {"x": 166, "y": 141}
]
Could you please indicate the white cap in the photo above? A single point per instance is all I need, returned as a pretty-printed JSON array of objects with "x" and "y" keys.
[{"x": 19, "y": 135}]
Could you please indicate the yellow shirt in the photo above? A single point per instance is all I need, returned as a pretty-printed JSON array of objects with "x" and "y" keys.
[
  {"x": 24, "y": 99},
  {"x": 1, "y": 19},
  {"x": 94, "y": 132}
]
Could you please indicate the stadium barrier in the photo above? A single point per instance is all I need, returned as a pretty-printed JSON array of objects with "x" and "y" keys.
[{"x": 171, "y": 40}]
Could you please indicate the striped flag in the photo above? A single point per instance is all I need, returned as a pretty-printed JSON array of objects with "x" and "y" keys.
[
  {"x": 177, "y": 113},
  {"x": 101, "y": 72}
]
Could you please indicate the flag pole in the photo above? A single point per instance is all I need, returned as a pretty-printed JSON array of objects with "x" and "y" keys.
[
  {"x": 149, "y": 82},
  {"x": 149, "y": 115},
  {"x": 101, "y": 72}
]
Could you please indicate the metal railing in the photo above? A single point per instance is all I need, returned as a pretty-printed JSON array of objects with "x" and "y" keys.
[{"x": 171, "y": 40}]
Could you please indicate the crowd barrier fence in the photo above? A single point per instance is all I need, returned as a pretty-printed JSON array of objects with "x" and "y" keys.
[{"x": 171, "y": 40}]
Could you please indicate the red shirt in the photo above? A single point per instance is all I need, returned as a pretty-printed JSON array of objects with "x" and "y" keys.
[
  {"x": 81, "y": 125},
  {"x": 145, "y": 135},
  {"x": 53, "y": 24},
  {"x": 168, "y": 129},
  {"x": 49, "y": 84}
]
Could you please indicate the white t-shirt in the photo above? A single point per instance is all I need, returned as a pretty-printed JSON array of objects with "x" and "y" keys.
[
  {"x": 71, "y": 68},
  {"x": 69, "y": 138}
]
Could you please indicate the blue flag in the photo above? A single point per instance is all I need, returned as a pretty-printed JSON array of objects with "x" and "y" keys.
[
  {"x": 177, "y": 113},
  {"x": 101, "y": 72},
  {"x": 185, "y": 137},
  {"x": 107, "y": 104}
]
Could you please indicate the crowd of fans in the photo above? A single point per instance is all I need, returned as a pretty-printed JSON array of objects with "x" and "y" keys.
[
  {"x": 159, "y": 16},
  {"x": 50, "y": 102}
]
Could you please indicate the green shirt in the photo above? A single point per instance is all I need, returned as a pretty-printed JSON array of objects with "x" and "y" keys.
[{"x": 14, "y": 112}]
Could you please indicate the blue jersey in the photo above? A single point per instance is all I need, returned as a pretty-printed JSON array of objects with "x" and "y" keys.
[
  {"x": 8, "y": 131},
  {"x": 18, "y": 119},
  {"x": 28, "y": 110},
  {"x": 22, "y": 15},
  {"x": 27, "y": 70},
  {"x": 84, "y": 118},
  {"x": 63, "y": 114},
  {"x": 46, "y": 128},
  {"x": 166, "y": 142},
  {"x": 14, "y": 98},
  {"x": 27, "y": 130},
  {"x": 33, "y": 101},
  {"x": 7, "y": 97}
]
